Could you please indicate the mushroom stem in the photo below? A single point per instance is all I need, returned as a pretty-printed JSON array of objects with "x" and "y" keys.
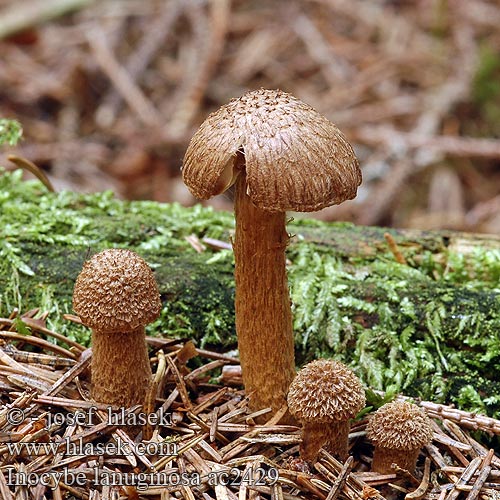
[
  {"x": 121, "y": 373},
  {"x": 383, "y": 458},
  {"x": 262, "y": 303},
  {"x": 338, "y": 439},
  {"x": 314, "y": 436},
  {"x": 334, "y": 436}
]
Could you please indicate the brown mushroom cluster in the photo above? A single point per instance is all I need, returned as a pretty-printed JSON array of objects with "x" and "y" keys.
[
  {"x": 324, "y": 396},
  {"x": 281, "y": 155},
  {"x": 398, "y": 430},
  {"x": 116, "y": 295}
]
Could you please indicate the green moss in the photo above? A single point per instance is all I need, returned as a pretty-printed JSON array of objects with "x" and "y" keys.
[
  {"x": 396, "y": 324},
  {"x": 207, "y": 289},
  {"x": 46, "y": 237},
  {"x": 430, "y": 328},
  {"x": 10, "y": 132}
]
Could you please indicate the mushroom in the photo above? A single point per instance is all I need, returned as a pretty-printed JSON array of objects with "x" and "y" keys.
[
  {"x": 282, "y": 155},
  {"x": 398, "y": 430},
  {"x": 324, "y": 396},
  {"x": 116, "y": 295}
]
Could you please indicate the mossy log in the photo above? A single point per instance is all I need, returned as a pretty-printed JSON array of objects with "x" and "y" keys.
[{"x": 430, "y": 327}]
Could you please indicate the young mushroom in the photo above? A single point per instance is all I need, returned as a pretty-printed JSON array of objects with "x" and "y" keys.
[
  {"x": 324, "y": 396},
  {"x": 116, "y": 295},
  {"x": 398, "y": 430},
  {"x": 282, "y": 155}
]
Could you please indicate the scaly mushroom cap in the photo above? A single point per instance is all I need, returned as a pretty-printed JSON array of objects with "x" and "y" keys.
[
  {"x": 400, "y": 426},
  {"x": 115, "y": 292},
  {"x": 325, "y": 391},
  {"x": 295, "y": 159}
]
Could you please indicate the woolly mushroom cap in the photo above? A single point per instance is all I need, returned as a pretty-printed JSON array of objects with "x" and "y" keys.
[
  {"x": 325, "y": 391},
  {"x": 400, "y": 425},
  {"x": 116, "y": 292},
  {"x": 295, "y": 159}
]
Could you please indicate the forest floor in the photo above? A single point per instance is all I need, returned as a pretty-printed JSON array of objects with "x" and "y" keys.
[{"x": 204, "y": 442}]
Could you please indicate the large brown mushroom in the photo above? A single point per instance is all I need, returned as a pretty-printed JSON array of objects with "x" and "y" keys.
[
  {"x": 324, "y": 396},
  {"x": 116, "y": 295},
  {"x": 282, "y": 155},
  {"x": 398, "y": 430}
]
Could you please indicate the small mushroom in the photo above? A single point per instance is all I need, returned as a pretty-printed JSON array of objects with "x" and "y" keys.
[
  {"x": 281, "y": 155},
  {"x": 324, "y": 396},
  {"x": 116, "y": 295},
  {"x": 398, "y": 430}
]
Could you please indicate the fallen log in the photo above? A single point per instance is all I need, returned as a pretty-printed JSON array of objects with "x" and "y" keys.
[{"x": 409, "y": 310}]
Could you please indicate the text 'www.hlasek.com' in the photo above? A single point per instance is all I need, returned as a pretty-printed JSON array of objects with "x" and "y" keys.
[{"x": 81, "y": 462}]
